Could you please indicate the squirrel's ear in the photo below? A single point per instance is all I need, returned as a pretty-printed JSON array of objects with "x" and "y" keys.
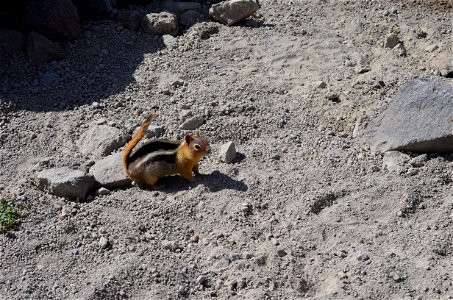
[
  {"x": 196, "y": 133},
  {"x": 188, "y": 138}
]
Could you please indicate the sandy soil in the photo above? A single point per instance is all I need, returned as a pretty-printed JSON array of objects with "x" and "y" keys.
[{"x": 306, "y": 210}]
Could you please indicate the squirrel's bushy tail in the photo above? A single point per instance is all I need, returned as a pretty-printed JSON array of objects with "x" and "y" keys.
[{"x": 135, "y": 139}]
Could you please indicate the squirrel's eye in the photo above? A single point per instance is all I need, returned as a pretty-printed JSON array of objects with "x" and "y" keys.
[{"x": 197, "y": 147}]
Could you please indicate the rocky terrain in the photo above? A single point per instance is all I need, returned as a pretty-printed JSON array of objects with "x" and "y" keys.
[{"x": 308, "y": 208}]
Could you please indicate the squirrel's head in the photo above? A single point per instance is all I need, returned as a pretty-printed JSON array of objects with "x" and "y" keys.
[{"x": 197, "y": 144}]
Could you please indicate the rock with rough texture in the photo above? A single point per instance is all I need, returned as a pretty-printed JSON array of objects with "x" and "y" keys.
[
  {"x": 55, "y": 19},
  {"x": 443, "y": 63},
  {"x": 101, "y": 140},
  {"x": 231, "y": 12},
  {"x": 65, "y": 182},
  {"x": 192, "y": 123},
  {"x": 160, "y": 23},
  {"x": 11, "y": 41},
  {"x": 131, "y": 19},
  {"x": 227, "y": 152},
  {"x": 419, "y": 119},
  {"x": 109, "y": 173},
  {"x": 400, "y": 50},
  {"x": 391, "y": 41},
  {"x": 41, "y": 50},
  {"x": 395, "y": 161}
]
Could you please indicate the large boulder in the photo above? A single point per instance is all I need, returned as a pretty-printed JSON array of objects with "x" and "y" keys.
[
  {"x": 55, "y": 19},
  {"x": 101, "y": 140},
  {"x": 160, "y": 23},
  {"x": 41, "y": 50},
  {"x": 11, "y": 41},
  {"x": 109, "y": 173},
  {"x": 419, "y": 118},
  {"x": 231, "y": 12},
  {"x": 65, "y": 182}
]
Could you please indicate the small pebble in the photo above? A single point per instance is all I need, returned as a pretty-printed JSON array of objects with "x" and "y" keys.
[
  {"x": 201, "y": 279},
  {"x": 103, "y": 243}
]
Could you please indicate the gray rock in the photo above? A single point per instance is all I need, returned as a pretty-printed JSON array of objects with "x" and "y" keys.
[
  {"x": 11, "y": 41},
  {"x": 192, "y": 123},
  {"x": 395, "y": 161},
  {"x": 231, "y": 12},
  {"x": 281, "y": 253},
  {"x": 55, "y": 19},
  {"x": 202, "y": 279},
  {"x": 153, "y": 131},
  {"x": 41, "y": 50},
  {"x": 101, "y": 140},
  {"x": 419, "y": 161},
  {"x": 362, "y": 256},
  {"x": 103, "y": 243},
  {"x": 102, "y": 191},
  {"x": 190, "y": 18},
  {"x": 160, "y": 23},
  {"x": 400, "y": 50},
  {"x": 227, "y": 152},
  {"x": 170, "y": 41},
  {"x": 131, "y": 19},
  {"x": 391, "y": 40},
  {"x": 419, "y": 119},
  {"x": 412, "y": 171},
  {"x": 65, "y": 182},
  {"x": 319, "y": 84},
  {"x": 443, "y": 63},
  {"x": 109, "y": 172},
  {"x": 431, "y": 48}
]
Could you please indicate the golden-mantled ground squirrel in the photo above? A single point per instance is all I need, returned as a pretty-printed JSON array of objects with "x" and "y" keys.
[{"x": 159, "y": 158}]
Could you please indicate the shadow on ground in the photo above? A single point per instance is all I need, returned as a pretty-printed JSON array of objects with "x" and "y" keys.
[
  {"x": 215, "y": 182},
  {"x": 101, "y": 63}
]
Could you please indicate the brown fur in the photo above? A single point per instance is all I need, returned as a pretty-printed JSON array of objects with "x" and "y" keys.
[{"x": 160, "y": 158}]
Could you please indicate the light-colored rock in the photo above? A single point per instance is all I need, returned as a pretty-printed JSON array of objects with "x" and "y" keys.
[
  {"x": 227, "y": 152},
  {"x": 41, "y": 50},
  {"x": 109, "y": 172},
  {"x": 160, "y": 23},
  {"x": 169, "y": 41},
  {"x": 431, "y": 48},
  {"x": 391, "y": 40},
  {"x": 319, "y": 84},
  {"x": 231, "y": 12},
  {"x": 102, "y": 191},
  {"x": 101, "y": 140},
  {"x": 395, "y": 161},
  {"x": 103, "y": 242},
  {"x": 419, "y": 119},
  {"x": 130, "y": 19},
  {"x": 192, "y": 123},
  {"x": 419, "y": 161},
  {"x": 443, "y": 63},
  {"x": 11, "y": 41},
  {"x": 55, "y": 19},
  {"x": 400, "y": 50},
  {"x": 65, "y": 182}
]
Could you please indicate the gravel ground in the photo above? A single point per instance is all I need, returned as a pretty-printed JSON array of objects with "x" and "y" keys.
[{"x": 305, "y": 210}]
